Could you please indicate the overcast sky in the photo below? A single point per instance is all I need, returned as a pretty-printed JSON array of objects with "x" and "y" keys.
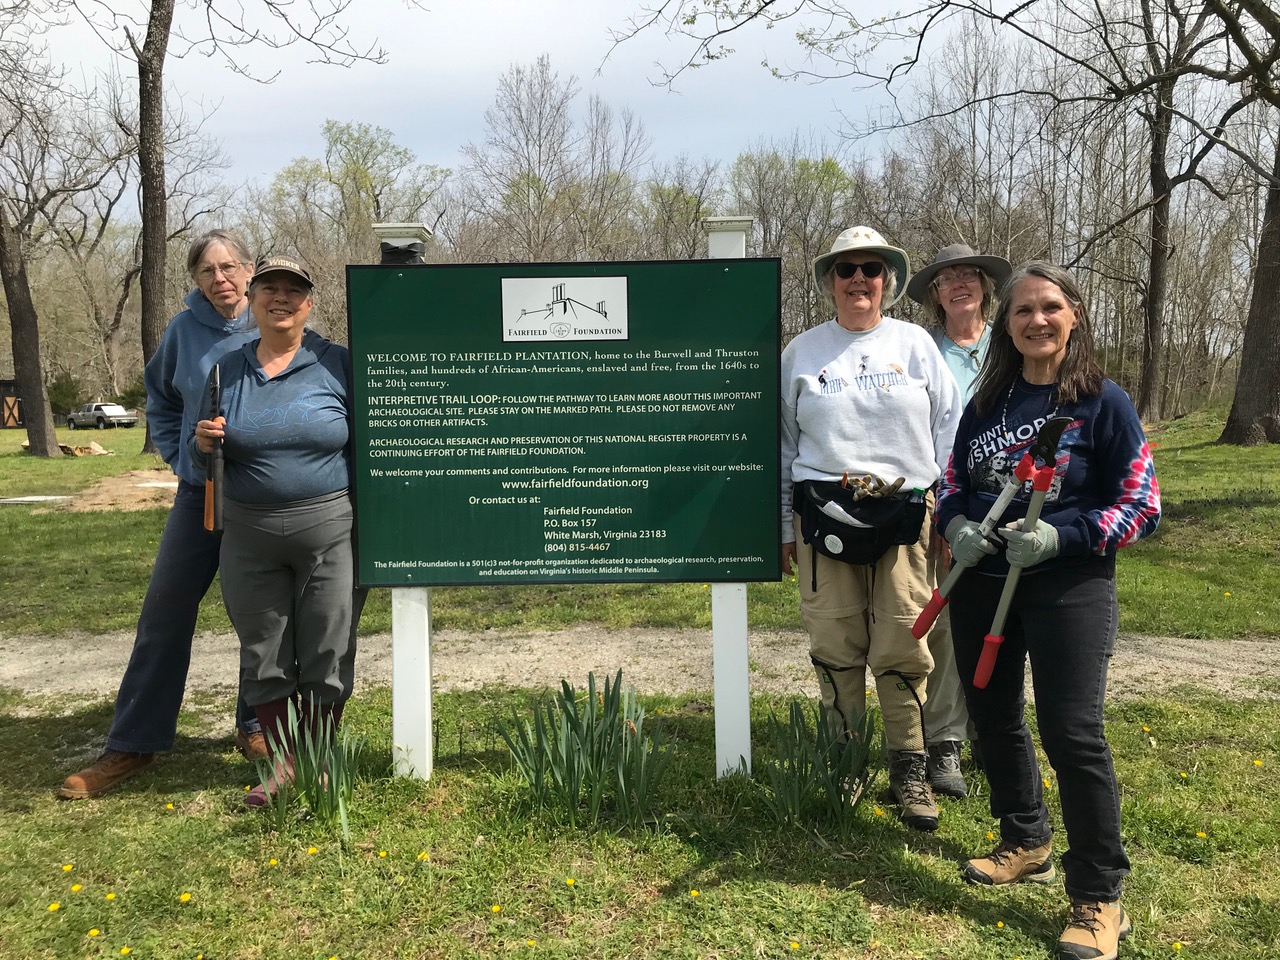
[{"x": 442, "y": 74}]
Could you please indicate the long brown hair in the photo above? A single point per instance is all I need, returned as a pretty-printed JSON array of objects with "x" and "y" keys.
[{"x": 1079, "y": 375}]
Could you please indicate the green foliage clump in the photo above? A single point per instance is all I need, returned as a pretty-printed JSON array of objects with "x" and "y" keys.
[
  {"x": 809, "y": 775},
  {"x": 324, "y": 771},
  {"x": 64, "y": 393},
  {"x": 580, "y": 754}
]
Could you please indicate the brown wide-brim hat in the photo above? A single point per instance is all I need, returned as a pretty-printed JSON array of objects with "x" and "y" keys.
[
  {"x": 954, "y": 255},
  {"x": 868, "y": 241}
]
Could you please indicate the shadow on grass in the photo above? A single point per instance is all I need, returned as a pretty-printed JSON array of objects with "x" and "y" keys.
[{"x": 54, "y": 744}]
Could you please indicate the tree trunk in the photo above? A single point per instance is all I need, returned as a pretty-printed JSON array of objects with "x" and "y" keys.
[
  {"x": 25, "y": 331},
  {"x": 155, "y": 211},
  {"x": 1149, "y": 392},
  {"x": 1255, "y": 412}
]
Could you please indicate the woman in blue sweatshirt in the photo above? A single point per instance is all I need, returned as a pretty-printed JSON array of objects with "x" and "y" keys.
[
  {"x": 288, "y": 577},
  {"x": 216, "y": 319},
  {"x": 1103, "y": 496}
]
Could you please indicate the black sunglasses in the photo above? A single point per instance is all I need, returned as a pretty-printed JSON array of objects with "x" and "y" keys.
[{"x": 844, "y": 269}]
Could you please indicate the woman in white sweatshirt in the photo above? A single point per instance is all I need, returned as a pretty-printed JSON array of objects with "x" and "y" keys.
[{"x": 866, "y": 395}]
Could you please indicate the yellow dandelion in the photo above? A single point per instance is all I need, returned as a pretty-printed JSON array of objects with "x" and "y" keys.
[
  {"x": 111, "y": 896},
  {"x": 1177, "y": 945},
  {"x": 531, "y": 942},
  {"x": 184, "y": 898},
  {"x": 568, "y": 881},
  {"x": 272, "y": 862},
  {"x": 879, "y": 812},
  {"x": 1183, "y": 774},
  {"x": 424, "y": 856},
  {"x": 1000, "y": 923},
  {"x": 382, "y": 854},
  {"x": 168, "y": 806},
  {"x": 496, "y": 908},
  {"x": 1146, "y": 729},
  {"x": 794, "y": 945},
  {"x": 125, "y": 951},
  {"x": 312, "y": 851},
  {"x": 1257, "y": 763},
  {"x": 1047, "y": 783},
  {"x": 76, "y": 888},
  {"x": 693, "y": 893},
  {"x": 1201, "y": 834},
  {"x": 55, "y": 907},
  {"x": 990, "y": 835},
  {"x": 1227, "y": 594},
  {"x": 66, "y": 868},
  {"x": 246, "y": 788},
  {"x": 94, "y": 932}
]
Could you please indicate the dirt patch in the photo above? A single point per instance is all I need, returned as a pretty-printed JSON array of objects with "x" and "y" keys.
[
  {"x": 135, "y": 490},
  {"x": 653, "y": 660}
]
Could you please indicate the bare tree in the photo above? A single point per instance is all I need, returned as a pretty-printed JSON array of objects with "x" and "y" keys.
[
  {"x": 220, "y": 30},
  {"x": 55, "y": 144},
  {"x": 1135, "y": 54},
  {"x": 325, "y": 208}
]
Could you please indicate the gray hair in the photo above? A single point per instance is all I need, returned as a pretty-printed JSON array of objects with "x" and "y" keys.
[
  {"x": 203, "y": 242},
  {"x": 1079, "y": 374}
]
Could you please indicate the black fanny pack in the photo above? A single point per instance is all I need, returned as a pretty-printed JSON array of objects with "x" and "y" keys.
[{"x": 856, "y": 531}]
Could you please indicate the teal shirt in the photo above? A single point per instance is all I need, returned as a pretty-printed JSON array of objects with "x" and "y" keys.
[{"x": 963, "y": 362}]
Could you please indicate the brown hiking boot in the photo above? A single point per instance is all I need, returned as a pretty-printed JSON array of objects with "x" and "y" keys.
[
  {"x": 1009, "y": 863},
  {"x": 909, "y": 784},
  {"x": 110, "y": 769},
  {"x": 1094, "y": 931},
  {"x": 252, "y": 746}
]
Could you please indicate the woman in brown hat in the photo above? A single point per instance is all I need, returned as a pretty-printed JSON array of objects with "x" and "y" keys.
[{"x": 958, "y": 290}]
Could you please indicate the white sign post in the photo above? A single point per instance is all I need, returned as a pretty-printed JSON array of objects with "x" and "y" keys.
[{"x": 727, "y": 239}]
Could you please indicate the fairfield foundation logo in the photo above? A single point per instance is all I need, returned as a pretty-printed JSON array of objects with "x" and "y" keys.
[{"x": 564, "y": 308}]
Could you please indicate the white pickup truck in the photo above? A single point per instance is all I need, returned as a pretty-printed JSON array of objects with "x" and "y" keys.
[{"x": 101, "y": 416}]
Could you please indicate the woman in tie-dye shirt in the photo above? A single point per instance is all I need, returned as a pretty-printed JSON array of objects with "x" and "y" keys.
[{"x": 1104, "y": 496}]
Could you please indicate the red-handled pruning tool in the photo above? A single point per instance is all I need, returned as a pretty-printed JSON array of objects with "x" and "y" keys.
[
  {"x": 1041, "y": 480},
  {"x": 1044, "y": 448}
]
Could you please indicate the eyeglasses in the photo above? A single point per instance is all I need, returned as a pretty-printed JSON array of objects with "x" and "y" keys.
[
  {"x": 844, "y": 269},
  {"x": 230, "y": 270},
  {"x": 959, "y": 275}
]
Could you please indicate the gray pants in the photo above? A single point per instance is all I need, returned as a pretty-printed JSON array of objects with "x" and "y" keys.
[{"x": 288, "y": 582}]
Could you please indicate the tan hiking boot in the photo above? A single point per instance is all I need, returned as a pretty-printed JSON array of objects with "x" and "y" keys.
[
  {"x": 110, "y": 769},
  {"x": 909, "y": 784},
  {"x": 252, "y": 746},
  {"x": 1094, "y": 931},
  {"x": 1009, "y": 863}
]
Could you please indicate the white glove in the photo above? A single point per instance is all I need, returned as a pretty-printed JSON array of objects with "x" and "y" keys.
[
  {"x": 1027, "y": 548},
  {"x": 968, "y": 546}
]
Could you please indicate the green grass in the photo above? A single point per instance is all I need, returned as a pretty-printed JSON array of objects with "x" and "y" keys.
[
  {"x": 24, "y": 475},
  {"x": 1212, "y": 569},
  {"x": 886, "y": 893}
]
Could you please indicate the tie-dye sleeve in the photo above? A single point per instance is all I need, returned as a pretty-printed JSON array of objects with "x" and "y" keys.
[{"x": 1131, "y": 489}]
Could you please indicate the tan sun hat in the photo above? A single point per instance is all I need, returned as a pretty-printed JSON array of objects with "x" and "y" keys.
[
  {"x": 868, "y": 241},
  {"x": 953, "y": 255}
]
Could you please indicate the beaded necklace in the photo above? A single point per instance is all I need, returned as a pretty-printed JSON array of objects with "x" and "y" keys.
[{"x": 1004, "y": 409}]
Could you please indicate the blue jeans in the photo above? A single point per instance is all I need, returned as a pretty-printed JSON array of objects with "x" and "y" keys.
[
  {"x": 1065, "y": 620},
  {"x": 150, "y": 696}
]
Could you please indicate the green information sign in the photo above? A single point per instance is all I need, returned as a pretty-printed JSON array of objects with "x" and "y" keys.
[{"x": 567, "y": 422}]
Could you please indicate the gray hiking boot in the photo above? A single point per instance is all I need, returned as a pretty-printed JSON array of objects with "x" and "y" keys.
[
  {"x": 909, "y": 784},
  {"x": 944, "y": 769}
]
